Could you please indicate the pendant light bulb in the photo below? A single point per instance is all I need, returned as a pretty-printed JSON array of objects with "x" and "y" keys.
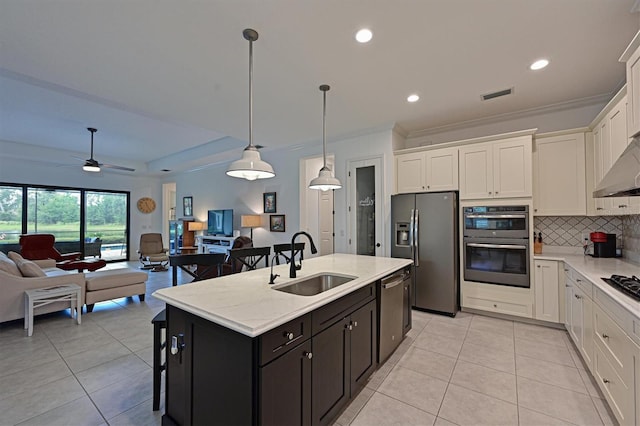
[
  {"x": 325, "y": 180},
  {"x": 250, "y": 166}
]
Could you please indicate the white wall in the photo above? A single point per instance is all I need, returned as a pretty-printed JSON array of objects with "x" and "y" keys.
[
  {"x": 24, "y": 171},
  {"x": 212, "y": 189}
]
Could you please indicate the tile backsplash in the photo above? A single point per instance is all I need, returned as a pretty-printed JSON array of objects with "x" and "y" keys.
[{"x": 567, "y": 230}]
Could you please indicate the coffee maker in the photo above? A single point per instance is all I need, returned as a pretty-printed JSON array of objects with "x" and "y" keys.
[{"x": 604, "y": 245}]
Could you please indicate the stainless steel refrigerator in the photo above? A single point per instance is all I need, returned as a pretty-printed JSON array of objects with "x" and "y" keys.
[{"x": 425, "y": 229}]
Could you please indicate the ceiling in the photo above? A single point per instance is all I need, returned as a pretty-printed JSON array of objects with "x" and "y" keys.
[{"x": 166, "y": 82}]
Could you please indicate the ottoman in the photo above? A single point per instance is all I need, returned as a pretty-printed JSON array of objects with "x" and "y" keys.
[{"x": 113, "y": 284}]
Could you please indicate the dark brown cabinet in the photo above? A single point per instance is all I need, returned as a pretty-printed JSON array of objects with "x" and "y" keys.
[{"x": 302, "y": 372}]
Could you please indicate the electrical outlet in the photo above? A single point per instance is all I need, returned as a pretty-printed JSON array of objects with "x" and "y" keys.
[{"x": 585, "y": 237}]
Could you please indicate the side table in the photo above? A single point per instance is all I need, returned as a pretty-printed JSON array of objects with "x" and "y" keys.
[{"x": 44, "y": 296}]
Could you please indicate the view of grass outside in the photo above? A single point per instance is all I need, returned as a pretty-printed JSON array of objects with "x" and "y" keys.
[{"x": 57, "y": 212}]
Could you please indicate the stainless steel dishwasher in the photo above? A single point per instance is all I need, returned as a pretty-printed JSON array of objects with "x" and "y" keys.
[{"x": 390, "y": 324}]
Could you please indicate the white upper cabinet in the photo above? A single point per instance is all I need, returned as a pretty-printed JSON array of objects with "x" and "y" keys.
[
  {"x": 500, "y": 169},
  {"x": 559, "y": 186},
  {"x": 427, "y": 171},
  {"x": 632, "y": 58}
]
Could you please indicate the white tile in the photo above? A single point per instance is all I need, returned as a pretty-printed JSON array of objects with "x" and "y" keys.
[
  {"x": 81, "y": 411},
  {"x": 382, "y": 410},
  {"x": 551, "y": 373},
  {"x": 462, "y": 319},
  {"x": 556, "y": 402},
  {"x": 538, "y": 350},
  {"x": 33, "y": 377},
  {"x": 418, "y": 390},
  {"x": 140, "y": 415},
  {"x": 538, "y": 333},
  {"x": 533, "y": 418},
  {"x": 111, "y": 372},
  {"x": 96, "y": 355},
  {"x": 485, "y": 380},
  {"x": 436, "y": 343},
  {"x": 119, "y": 397},
  {"x": 446, "y": 329},
  {"x": 33, "y": 402},
  {"x": 494, "y": 325},
  {"x": 466, "y": 407},
  {"x": 429, "y": 363},
  {"x": 354, "y": 407},
  {"x": 489, "y": 339}
]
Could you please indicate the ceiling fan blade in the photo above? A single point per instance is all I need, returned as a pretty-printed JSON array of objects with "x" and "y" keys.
[{"x": 111, "y": 166}]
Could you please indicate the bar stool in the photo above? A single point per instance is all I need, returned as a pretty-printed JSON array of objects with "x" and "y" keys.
[
  {"x": 285, "y": 250},
  {"x": 159, "y": 323}
]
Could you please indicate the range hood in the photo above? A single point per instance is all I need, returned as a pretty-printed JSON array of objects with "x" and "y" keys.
[{"x": 623, "y": 179}]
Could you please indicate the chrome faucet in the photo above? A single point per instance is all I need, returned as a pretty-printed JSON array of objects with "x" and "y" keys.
[
  {"x": 272, "y": 277},
  {"x": 293, "y": 267}
]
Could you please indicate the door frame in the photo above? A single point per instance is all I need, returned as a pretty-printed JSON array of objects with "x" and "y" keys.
[
  {"x": 306, "y": 203},
  {"x": 381, "y": 231}
]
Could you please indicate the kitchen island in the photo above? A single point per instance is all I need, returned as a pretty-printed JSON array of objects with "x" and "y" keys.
[{"x": 242, "y": 352}]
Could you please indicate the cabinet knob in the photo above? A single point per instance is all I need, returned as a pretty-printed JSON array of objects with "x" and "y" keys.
[
  {"x": 599, "y": 208},
  {"x": 605, "y": 381},
  {"x": 307, "y": 355},
  {"x": 489, "y": 192},
  {"x": 535, "y": 210},
  {"x": 578, "y": 280},
  {"x": 577, "y": 297},
  {"x": 348, "y": 326},
  {"x": 428, "y": 186},
  {"x": 495, "y": 305},
  {"x": 604, "y": 336},
  {"x": 622, "y": 206},
  {"x": 288, "y": 335},
  {"x": 537, "y": 266},
  {"x": 496, "y": 192},
  {"x": 355, "y": 323}
]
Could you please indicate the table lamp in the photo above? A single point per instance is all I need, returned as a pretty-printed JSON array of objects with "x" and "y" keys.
[
  {"x": 196, "y": 226},
  {"x": 250, "y": 221}
]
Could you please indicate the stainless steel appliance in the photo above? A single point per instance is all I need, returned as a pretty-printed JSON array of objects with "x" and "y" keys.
[
  {"x": 496, "y": 245},
  {"x": 425, "y": 229},
  {"x": 390, "y": 321},
  {"x": 629, "y": 286},
  {"x": 622, "y": 178}
]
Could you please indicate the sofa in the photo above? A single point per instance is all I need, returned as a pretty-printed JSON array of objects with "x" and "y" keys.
[{"x": 18, "y": 274}]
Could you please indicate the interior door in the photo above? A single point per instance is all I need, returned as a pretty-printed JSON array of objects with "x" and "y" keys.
[{"x": 366, "y": 202}]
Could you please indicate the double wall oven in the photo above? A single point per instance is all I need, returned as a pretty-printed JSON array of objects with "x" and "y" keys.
[{"x": 496, "y": 245}]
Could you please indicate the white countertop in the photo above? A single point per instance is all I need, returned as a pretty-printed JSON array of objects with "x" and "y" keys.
[
  {"x": 595, "y": 269},
  {"x": 246, "y": 303}
]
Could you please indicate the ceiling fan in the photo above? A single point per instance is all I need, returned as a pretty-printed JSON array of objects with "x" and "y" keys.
[{"x": 92, "y": 165}]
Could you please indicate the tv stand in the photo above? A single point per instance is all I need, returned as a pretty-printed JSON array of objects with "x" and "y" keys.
[{"x": 212, "y": 244}]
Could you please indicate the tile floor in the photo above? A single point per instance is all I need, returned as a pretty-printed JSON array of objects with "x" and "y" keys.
[{"x": 467, "y": 370}]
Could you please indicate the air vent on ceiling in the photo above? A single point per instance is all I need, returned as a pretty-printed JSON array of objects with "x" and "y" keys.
[{"x": 497, "y": 94}]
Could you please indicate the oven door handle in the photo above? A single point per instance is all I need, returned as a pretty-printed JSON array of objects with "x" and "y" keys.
[
  {"x": 497, "y": 246},
  {"x": 496, "y": 216}
]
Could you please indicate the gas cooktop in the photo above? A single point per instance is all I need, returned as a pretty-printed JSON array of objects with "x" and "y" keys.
[{"x": 629, "y": 286}]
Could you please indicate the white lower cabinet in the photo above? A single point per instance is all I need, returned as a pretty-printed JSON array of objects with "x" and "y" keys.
[
  {"x": 546, "y": 291},
  {"x": 603, "y": 332}
]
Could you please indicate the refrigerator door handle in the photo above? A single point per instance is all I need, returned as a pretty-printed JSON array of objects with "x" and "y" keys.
[
  {"x": 416, "y": 236},
  {"x": 411, "y": 242}
]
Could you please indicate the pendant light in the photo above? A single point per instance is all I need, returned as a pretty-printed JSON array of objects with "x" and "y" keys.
[
  {"x": 250, "y": 166},
  {"x": 325, "y": 181}
]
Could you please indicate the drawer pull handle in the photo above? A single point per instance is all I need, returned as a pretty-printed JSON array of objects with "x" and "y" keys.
[
  {"x": 605, "y": 381},
  {"x": 579, "y": 280},
  {"x": 288, "y": 335},
  {"x": 577, "y": 297},
  {"x": 355, "y": 323},
  {"x": 307, "y": 355},
  {"x": 604, "y": 336},
  {"x": 495, "y": 305}
]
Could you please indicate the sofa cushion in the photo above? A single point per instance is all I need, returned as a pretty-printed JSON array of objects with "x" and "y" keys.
[
  {"x": 7, "y": 265},
  {"x": 112, "y": 278},
  {"x": 16, "y": 257},
  {"x": 30, "y": 269}
]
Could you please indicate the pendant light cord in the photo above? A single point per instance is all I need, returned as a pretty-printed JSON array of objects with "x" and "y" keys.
[
  {"x": 324, "y": 88},
  {"x": 250, "y": 92}
]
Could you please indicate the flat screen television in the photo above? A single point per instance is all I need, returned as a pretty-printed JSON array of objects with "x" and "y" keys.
[{"x": 220, "y": 222}]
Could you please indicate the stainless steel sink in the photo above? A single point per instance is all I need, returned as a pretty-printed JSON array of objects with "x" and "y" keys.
[{"x": 315, "y": 284}]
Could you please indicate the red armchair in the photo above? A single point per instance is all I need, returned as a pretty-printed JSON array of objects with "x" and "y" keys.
[{"x": 40, "y": 246}]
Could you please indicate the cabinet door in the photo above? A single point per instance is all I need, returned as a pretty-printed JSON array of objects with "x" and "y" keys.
[
  {"x": 285, "y": 388},
  {"x": 633, "y": 92},
  {"x": 546, "y": 290},
  {"x": 178, "y": 372},
  {"x": 476, "y": 171},
  {"x": 330, "y": 372},
  {"x": 617, "y": 122},
  {"x": 410, "y": 174},
  {"x": 441, "y": 167},
  {"x": 512, "y": 168},
  {"x": 568, "y": 296},
  {"x": 598, "y": 167},
  {"x": 363, "y": 331},
  {"x": 559, "y": 175},
  {"x": 582, "y": 324}
]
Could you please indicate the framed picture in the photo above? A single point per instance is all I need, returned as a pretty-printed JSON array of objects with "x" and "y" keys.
[
  {"x": 187, "y": 206},
  {"x": 276, "y": 223},
  {"x": 269, "y": 202}
]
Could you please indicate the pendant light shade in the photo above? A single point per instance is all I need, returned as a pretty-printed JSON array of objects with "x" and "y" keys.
[
  {"x": 250, "y": 166},
  {"x": 325, "y": 180}
]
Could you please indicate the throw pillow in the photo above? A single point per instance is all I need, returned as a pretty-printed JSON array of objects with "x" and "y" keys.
[
  {"x": 8, "y": 266},
  {"x": 16, "y": 257},
  {"x": 30, "y": 269}
]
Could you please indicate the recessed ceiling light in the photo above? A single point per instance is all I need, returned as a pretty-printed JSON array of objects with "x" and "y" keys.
[
  {"x": 539, "y": 64},
  {"x": 413, "y": 98},
  {"x": 364, "y": 35}
]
